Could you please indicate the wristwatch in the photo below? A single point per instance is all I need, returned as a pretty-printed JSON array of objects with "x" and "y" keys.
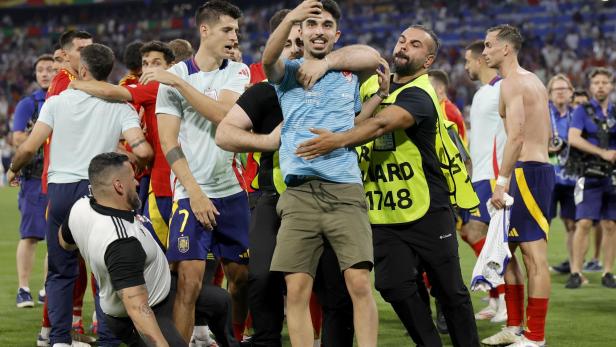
[{"x": 381, "y": 95}]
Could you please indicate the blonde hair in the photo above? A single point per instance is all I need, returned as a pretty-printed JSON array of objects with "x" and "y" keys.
[{"x": 559, "y": 77}]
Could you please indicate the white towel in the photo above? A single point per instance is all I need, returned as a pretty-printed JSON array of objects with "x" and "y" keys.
[{"x": 491, "y": 263}]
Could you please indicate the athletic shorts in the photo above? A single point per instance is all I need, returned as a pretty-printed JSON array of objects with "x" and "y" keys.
[
  {"x": 316, "y": 210},
  {"x": 32, "y": 205},
  {"x": 143, "y": 189},
  {"x": 190, "y": 240},
  {"x": 532, "y": 184},
  {"x": 563, "y": 196},
  {"x": 158, "y": 211},
  {"x": 598, "y": 199},
  {"x": 484, "y": 190}
]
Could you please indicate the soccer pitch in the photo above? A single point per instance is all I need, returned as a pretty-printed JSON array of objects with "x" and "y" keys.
[{"x": 576, "y": 318}]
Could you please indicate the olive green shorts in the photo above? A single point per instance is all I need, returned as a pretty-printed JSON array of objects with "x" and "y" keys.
[{"x": 317, "y": 210}]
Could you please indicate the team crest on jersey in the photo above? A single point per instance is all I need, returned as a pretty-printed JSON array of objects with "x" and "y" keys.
[
  {"x": 183, "y": 244},
  {"x": 244, "y": 72},
  {"x": 348, "y": 75}
]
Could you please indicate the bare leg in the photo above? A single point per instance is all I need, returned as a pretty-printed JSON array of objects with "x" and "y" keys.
[
  {"x": 598, "y": 240},
  {"x": 190, "y": 276},
  {"x": 537, "y": 270},
  {"x": 26, "y": 249},
  {"x": 299, "y": 289},
  {"x": 237, "y": 276},
  {"x": 580, "y": 244},
  {"x": 570, "y": 229},
  {"x": 365, "y": 314},
  {"x": 609, "y": 244},
  {"x": 473, "y": 231}
]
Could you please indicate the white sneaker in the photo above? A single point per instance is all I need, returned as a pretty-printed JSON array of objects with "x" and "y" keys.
[
  {"x": 524, "y": 342},
  {"x": 501, "y": 313},
  {"x": 76, "y": 343},
  {"x": 506, "y": 336}
]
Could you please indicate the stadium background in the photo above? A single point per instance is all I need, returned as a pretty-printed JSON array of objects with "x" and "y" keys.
[{"x": 560, "y": 37}]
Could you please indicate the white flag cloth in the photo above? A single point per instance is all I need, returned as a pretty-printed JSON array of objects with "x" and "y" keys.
[{"x": 491, "y": 263}]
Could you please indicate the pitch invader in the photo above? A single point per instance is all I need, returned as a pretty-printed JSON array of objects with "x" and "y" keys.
[
  {"x": 523, "y": 105},
  {"x": 210, "y": 210}
]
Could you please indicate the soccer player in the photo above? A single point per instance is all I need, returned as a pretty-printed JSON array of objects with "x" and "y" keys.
[
  {"x": 58, "y": 60},
  {"x": 136, "y": 288},
  {"x": 210, "y": 208},
  {"x": 407, "y": 192},
  {"x": 31, "y": 201},
  {"x": 487, "y": 142},
  {"x": 440, "y": 82},
  {"x": 593, "y": 132},
  {"x": 527, "y": 175},
  {"x": 132, "y": 61},
  {"x": 324, "y": 198},
  {"x": 156, "y": 56},
  {"x": 560, "y": 91},
  {"x": 182, "y": 49},
  {"x": 83, "y": 126}
]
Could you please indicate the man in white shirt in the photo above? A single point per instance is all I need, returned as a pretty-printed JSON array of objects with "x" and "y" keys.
[
  {"x": 210, "y": 208},
  {"x": 130, "y": 268},
  {"x": 487, "y": 142},
  {"x": 83, "y": 127}
]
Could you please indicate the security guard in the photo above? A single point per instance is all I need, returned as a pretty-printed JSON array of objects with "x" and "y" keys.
[{"x": 412, "y": 176}]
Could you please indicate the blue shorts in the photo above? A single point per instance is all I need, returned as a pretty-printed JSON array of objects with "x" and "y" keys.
[
  {"x": 598, "y": 200},
  {"x": 484, "y": 190},
  {"x": 32, "y": 205},
  {"x": 531, "y": 186},
  {"x": 563, "y": 196},
  {"x": 143, "y": 190},
  {"x": 158, "y": 211},
  {"x": 189, "y": 240}
]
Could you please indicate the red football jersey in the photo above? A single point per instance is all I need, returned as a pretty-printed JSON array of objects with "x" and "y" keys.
[
  {"x": 58, "y": 84},
  {"x": 145, "y": 96},
  {"x": 454, "y": 115}
]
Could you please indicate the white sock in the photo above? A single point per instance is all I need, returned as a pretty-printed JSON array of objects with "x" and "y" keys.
[
  {"x": 27, "y": 289},
  {"x": 76, "y": 319},
  {"x": 201, "y": 332},
  {"x": 42, "y": 292},
  {"x": 45, "y": 332},
  {"x": 61, "y": 345}
]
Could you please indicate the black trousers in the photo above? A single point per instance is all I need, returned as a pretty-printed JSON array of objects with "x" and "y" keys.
[
  {"x": 266, "y": 289},
  {"x": 399, "y": 251}
]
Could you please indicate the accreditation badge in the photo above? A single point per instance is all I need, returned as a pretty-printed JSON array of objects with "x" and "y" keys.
[{"x": 385, "y": 143}]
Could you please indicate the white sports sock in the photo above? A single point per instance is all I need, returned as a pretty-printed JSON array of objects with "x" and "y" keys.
[
  {"x": 201, "y": 332},
  {"x": 61, "y": 345},
  {"x": 45, "y": 332}
]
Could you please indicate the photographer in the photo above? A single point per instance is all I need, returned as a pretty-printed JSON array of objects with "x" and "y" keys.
[
  {"x": 560, "y": 92},
  {"x": 593, "y": 131}
]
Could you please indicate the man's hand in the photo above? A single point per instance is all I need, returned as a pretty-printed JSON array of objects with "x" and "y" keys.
[
  {"x": 305, "y": 10},
  {"x": 609, "y": 155},
  {"x": 204, "y": 210},
  {"x": 326, "y": 142},
  {"x": 311, "y": 71},
  {"x": 161, "y": 76},
  {"x": 498, "y": 197},
  {"x": 12, "y": 178},
  {"x": 74, "y": 84},
  {"x": 384, "y": 76}
]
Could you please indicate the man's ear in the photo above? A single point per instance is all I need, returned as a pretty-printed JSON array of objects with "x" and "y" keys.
[{"x": 117, "y": 185}]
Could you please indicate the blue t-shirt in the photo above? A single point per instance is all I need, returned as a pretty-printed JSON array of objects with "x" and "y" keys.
[
  {"x": 331, "y": 104},
  {"x": 22, "y": 119},
  {"x": 561, "y": 122},
  {"x": 581, "y": 120}
]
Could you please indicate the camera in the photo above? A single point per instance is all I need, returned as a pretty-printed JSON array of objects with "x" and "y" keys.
[{"x": 557, "y": 142}]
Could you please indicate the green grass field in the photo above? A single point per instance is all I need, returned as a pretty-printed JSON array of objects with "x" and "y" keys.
[{"x": 580, "y": 318}]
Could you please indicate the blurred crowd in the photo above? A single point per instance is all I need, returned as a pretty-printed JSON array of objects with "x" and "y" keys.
[{"x": 561, "y": 36}]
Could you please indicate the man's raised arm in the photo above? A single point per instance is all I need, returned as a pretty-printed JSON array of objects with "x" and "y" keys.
[
  {"x": 102, "y": 90},
  {"x": 272, "y": 63},
  {"x": 233, "y": 134}
]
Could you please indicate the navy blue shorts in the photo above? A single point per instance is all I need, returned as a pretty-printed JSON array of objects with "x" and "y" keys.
[
  {"x": 563, "y": 196},
  {"x": 531, "y": 186},
  {"x": 32, "y": 205},
  {"x": 158, "y": 211},
  {"x": 190, "y": 240},
  {"x": 484, "y": 190},
  {"x": 598, "y": 200}
]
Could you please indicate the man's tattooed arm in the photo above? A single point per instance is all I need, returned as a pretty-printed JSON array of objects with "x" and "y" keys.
[{"x": 135, "y": 300}]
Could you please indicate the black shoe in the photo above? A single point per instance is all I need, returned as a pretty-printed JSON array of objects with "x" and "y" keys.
[
  {"x": 441, "y": 323},
  {"x": 574, "y": 281},
  {"x": 608, "y": 280},
  {"x": 562, "y": 268}
]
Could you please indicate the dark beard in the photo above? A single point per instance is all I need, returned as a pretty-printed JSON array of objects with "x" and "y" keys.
[
  {"x": 408, "y": 69},
  {"x": 134, "y": 201}
]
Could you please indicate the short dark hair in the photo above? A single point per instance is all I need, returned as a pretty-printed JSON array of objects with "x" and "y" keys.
[
  {"x": 601, "y": 71},
  {"x": 158, "y": 46},
  {"x": 436, "y": 42},
  {"x": 67, "y": 37},
  {"x": 100, "y": 166},
  {"x": 132, "y": 56},
  {"x": 98, "y": 59},
  {"x": 440, "y": 76},
  {"x": 214, "y": 9},
  {"x": 476, "y": 47},
  {"x": 277, "y": 18},
  {"x": 182, "y": 49},
  {"x": 510, "y": 34},
  {"x": 43, "y": 57},
  {"x": 332, "y": 7}
]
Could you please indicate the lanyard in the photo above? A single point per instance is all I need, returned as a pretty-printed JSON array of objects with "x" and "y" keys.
[{"x": 554, "y": 118}]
